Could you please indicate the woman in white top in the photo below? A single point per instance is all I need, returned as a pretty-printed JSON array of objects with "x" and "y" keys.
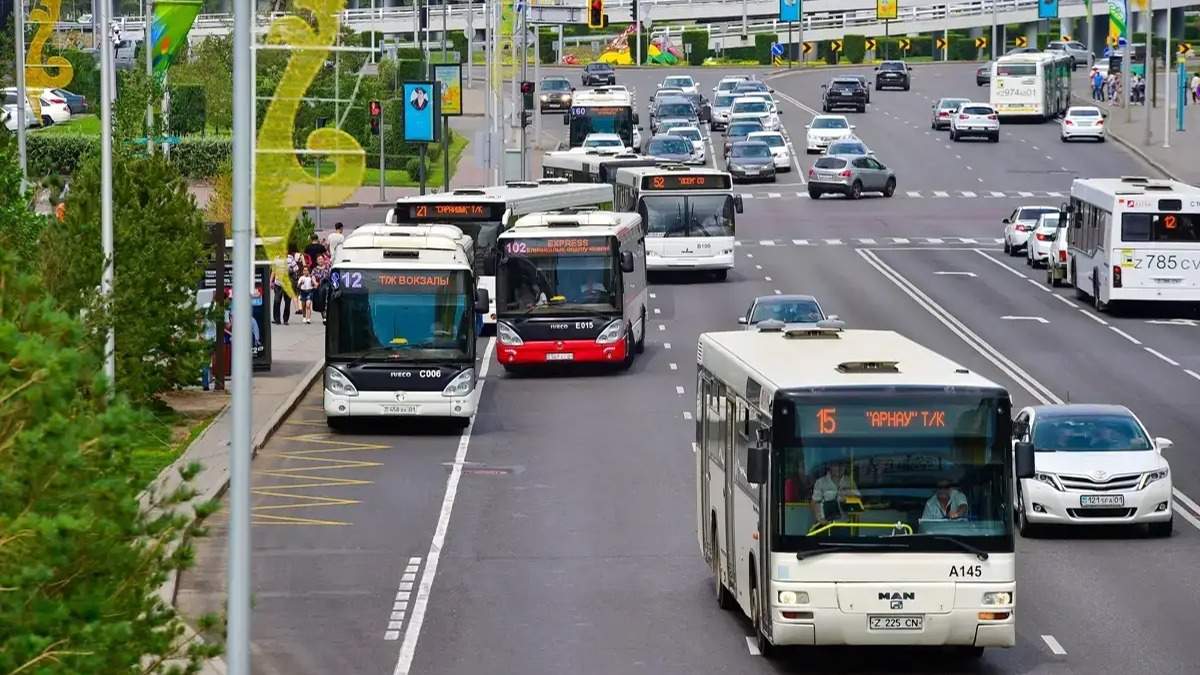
[{"x": 307, "y": 284}]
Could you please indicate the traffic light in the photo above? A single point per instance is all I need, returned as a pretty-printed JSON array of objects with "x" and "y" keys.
[
  {"x": 376, "y": 111},
  {"x": 526, "y": 118},
  {"x": 596, "y": 14},
  {"x": 527, "y": 96}
]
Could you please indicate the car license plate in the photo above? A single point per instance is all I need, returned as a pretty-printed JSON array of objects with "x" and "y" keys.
[
  {"x": 1102, "y": 500},
  {"x": 907, "y": 622},
  {"x": 400, "y": 409},
  {"x": 560, "y": 356},
  {"x": 825, "y": 176}
]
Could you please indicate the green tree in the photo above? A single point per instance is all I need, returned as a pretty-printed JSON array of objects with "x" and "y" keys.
[
  {"x": 210, "y": 65},
  {"x": 159, "y": 244},
  {"x": 20, "y": 227}
]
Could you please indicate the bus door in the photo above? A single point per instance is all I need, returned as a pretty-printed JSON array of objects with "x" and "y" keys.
[
  {"x": 714, "y": 462},
  {"x": 732, "y": 563}
]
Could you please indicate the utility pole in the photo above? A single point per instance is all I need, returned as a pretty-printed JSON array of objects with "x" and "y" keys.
[
  {"x": 107, "y": 94},
  {"x": 745, "y": 28},
  {"x": 470, "y": 42},
  {"x": 22, "y": 95},
  {"x": 149, "y": 74},
  {"x": 1168, "y": 90},
  {"x": 1148, "y": 78},
  {"x": 237, "y": 643},
  {"x": 524, "y": 77},
  {"x": 994, "y": 28}
]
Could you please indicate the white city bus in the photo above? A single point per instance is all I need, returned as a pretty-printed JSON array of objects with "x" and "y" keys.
[
  {"x": 855, "y": 488},
  {"x": 1034, "y": 86},
  {"x": 1134, "y": 239},
  {"x": 591, "y": 166},
  {"x": 483, "y": 213},
  {"x": 689, "y": 215},
  {"x": 601, "y": 111},
  {"x": 401, "y": 331}
]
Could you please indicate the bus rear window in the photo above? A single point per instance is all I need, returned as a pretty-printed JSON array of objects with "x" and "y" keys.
[
  {"x": 1184, "y": 227},
  {"x": 1016, "y": 70}
]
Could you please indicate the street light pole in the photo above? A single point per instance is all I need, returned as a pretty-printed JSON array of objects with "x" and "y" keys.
[
  {"x": 237, "y": 646},
  {"x": 994, "y": 28},
  {"x": 22, "y": 95},
  {"x": 1167, "y": 89},
  {"x": 106, "y": 205}
]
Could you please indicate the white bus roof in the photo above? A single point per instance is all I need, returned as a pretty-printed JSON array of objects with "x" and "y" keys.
[
  {"x": 518, "y": 197},
  {"x": 633, "y": 175},
  {"x": 389, "y": 251},
  {"x": 385, "y": 235},
  {"x": 569, "y": 224},
  {"x": 782, "y": 360},
  {"x": 601, "y": 96},
  {"x": 1104, "y": 192}
]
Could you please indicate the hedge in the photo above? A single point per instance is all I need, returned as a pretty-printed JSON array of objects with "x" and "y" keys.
[
  {"x": 194, "y": 156},
  {"x": 762, "y": 47},
  {"x": 825, "y": 52},
  {"x": 698, "y": 39},
  {"x": 855, "y": 47},
  {"x": 547, "y": 43},
  {"x": 962, "y": 48},
  {"x": 188, "y": 104},
  {"x": 458, "y": 40}
]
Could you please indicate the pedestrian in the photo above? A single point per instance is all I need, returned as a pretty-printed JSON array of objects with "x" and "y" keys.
[
  {"x": 1195, "y": 88},
  {"x": 281, "y": 300},
  {"x": 1097, "y": 85},
  {"x": 321, "y": 276},
  {"x": 314, "y": 250},
  {"x": 307, "y": 284},
  {"x": 334, "y": 241}
]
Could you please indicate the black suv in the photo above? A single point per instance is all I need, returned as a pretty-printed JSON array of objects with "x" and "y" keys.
[
  {"x": 893, "y": 74},
  {"x": 599, "y": 74},
  {"x": 844, "y": 92}
]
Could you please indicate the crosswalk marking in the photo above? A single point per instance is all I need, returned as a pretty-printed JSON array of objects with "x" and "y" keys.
[
  {"x": 914, "y": 194},
  {"x": 940, "y": 193}
]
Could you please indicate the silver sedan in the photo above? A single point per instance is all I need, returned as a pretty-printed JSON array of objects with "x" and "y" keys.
[{"x": 850, "y": 175}]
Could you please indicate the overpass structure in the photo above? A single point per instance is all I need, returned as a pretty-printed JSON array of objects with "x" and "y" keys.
[{"x": 823, "y": 19}]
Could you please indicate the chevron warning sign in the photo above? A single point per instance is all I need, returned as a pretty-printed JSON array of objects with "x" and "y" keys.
[
  {"x": 835, "y": 46},
  {"x": 869, "y": 43},
  {"x": 905, "y": 44},
  {"x": 940, "y": 42},
  {"x": 807, "y": 48},
  {"x": 981, "y": 43},
  {"x": 1021, "y": 41}
]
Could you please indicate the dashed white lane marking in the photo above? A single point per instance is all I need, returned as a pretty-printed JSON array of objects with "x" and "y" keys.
[
  {"x": 833, "y": 242},
  {"x": 657, "y": 310},
  {"x": 1191, "y": 372},
  {"x": 866, "y": 240},
  {"x": 941, "y": 194},
  {"x": 1054, "y": 194},
  {"x": 1038, "y": 285},
  {"x": 1162, "y": 356},
  {"x": 673, "y": 366},
  {"x": 1125, "y": 335},
  {"x": 653, "y": 296},
  {"x": 899, "y": 240},
  {"x": 1065, "y": 169},
  {"x": 800, "y": 242},
  {"x": 1053, "y": 645},
  {"x": 914, "y": 194},
  {"x": 997, "y": 194},
  {"x": 679, "y": 390},
  {"x": 687, "y": 415},
  {"x": 1023, "y": 193},
  {"x": 766, "y": 278},
  {"x": 958, "y": 157},
  {"x": 773, "y": 195},
  {"x": 661, "y": 327},
  {"x": 1093, "y": 317},
  {"x": 766, "y": 242},
  {"x": 968, "y": 169},
  {"x": 1063, "y": 300},
  {"x": 400, "y": 605},
  {"x": 968, "y": 240},
  {"x": 935, "y": 240},
  {"x": 778, "y": 292},
  {"x": 758, "y": 267},
  {"x": 666, "y": 345},
  {"x": 1049, "y": 158},
  {"x": 968, "y": 193},
  {"x": 1034, "y": 147},
  {"x": 748, "y": 255}
]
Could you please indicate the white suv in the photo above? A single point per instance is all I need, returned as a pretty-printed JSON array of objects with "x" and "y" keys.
[
  {"x": 780, "y": 151},
  {"x": 1041, "y": 240},
  {"x": 1019, "y": 225},
  {"x": 825, "y": 129},
  {"x": 975, "y": 119}
]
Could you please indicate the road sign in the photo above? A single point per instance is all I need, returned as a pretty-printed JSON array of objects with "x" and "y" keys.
[
  {"x": 940, "y": 42},
  {"x": 789, "y": 10},
  {"x": 1183, "y": 48},
  {"x": 835, "y": 46},
  {"x": 776, "y": 49},
  {"x": 981, "y": 43},
  {"x": 1021, "y": 41},
  {"x": 807, "y": 48},
  {"x": 869, "y": 43},
  {"x": 1066, "y": 38},
  {"x": 905, "y": 44}
]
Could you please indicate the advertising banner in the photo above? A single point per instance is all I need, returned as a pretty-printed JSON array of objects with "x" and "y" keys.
[
  {"x": 886, "y": 10},
  {"x": 1047, "y": 9},
  {"x": 1118, "y": 21},
  {"x": 449, "y": 79},
  {"x": 169, "y": 28},
  {"x": 421, "y": 112},
  {"x": 789, "y": 10}
]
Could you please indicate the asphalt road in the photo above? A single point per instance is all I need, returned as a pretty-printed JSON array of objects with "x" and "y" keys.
[{"x": 567, "y": 543}]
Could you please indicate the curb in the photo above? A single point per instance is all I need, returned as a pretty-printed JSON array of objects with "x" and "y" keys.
[{"x": 1141, "y": 154}]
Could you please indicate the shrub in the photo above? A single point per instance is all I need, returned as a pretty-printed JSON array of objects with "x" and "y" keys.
[
  {"x": 854, "y": 48},
  {"x": 187, "y": 109},
  {"x": 762, "y": 47},
  {"x": 547, "y": 46},
  {"x": 201, "y": 156},
  {"x": 412, "y": 166},
  {"x": 85, "y": 76},
  {"x": 962, "y": 48},
  {"x": 58, "y": 153},
  {"x": 698, "y": 41}
]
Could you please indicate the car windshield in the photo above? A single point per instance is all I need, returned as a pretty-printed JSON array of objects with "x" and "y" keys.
[
  {"x": 1083, "y": 112},
  {"x": 426, "y": 315},
  {"x": 848, "y": 149},
  {"x": 675, "y": 110},
  {"x": 1032, "y": 213},
  {"x": 1089, "y": 433},
  {"x": 742, "y": 128},
  {"x": 750, "y": 86},
  {"x": 690, "y": 133},
  {"x": 752, "y": 150},
  {"x": 680, "y": 82},
  {"x": 670, "y": 146},
  {"x": 602, "y": 143},
  {"x": 1015, "y": 70},
  {"x": 830, "y": 163},
  {"x": 951, "y": 103},
  {"x": 1182, "y": 227},
  {"x": 555, "y": 85},
  {"x": 891, "y": 65},
  {"x": 723, "y": 100},
  {"x": 666, "y": 126},
  {"x": 977, "y": 110},
  {"x": 554, "y": 282},
  {"x": 1049, "y": 221},
  {"x": 847, "y": 83},
  {"x": 787, "y": 310},
  {"x": 830, "y": 123},
  {"x": 599, "y": 67},
  {"x": 772, "y": 140},
  {"x": 687, "y": 216},
  {"x": 751, "y": 107}
]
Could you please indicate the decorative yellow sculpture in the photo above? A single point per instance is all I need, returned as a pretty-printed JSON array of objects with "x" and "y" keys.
[
  {"x": 37, "y": 73},
  {"x": 282, "y": 186}
]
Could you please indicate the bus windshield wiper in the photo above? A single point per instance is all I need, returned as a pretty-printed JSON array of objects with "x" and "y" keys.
[
  {"x": 979, "y": 553},
  {"x": 845, "y": 547},
  {"x": 368, "y": 353}
]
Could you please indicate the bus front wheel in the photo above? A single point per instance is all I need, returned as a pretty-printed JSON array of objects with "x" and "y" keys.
[{"x": 765, "y": 648}]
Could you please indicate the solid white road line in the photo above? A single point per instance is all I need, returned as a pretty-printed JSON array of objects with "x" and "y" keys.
[
  {"x": 1053, "y": 645},
  {"x": 1004, "y": 267},
  {"x": 408, "y": 648}
]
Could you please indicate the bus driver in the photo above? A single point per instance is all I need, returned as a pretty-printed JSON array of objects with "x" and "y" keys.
[{"x": 947, "y": 503}]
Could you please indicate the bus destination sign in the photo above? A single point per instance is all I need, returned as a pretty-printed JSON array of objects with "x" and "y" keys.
[
  {"x": 367, "y": 281},
  {"x": 872, "y": 420},
  {"x": 557, "y": 246},
  {"x": 434, "y": 212},
  {"x": 687, "y": 181}
]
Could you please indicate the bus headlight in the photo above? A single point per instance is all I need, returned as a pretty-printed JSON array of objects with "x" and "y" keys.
[
  {"x": 507, "y": 335},
  {"x": 998, "y": 598},
  {"x": 462, "y": 384},
  {"x": 337, "y": 382},
  {"x": 613, "y": 332},
  {"x": 793, "y": 597}
]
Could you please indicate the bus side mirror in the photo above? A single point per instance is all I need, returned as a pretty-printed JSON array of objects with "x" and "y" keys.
[
  {"x": 737, "y": 204},
  {"x": 636, "y": 119},
  {"x": 626, "y": 261},
  {"x": 1024, "y": 459},
  {"x": 756, "y": 465},
  {"x": 482, "y": 301}
]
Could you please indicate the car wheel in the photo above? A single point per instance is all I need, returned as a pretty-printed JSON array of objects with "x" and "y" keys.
[
  {"x": 1028, "y": 260},
  {"x": 878, "y": 88},
  {"x": 721, "y": 275},
  {"x": 1080, "y": 294},
  {"x": 906, "y": 87},
  {"x": 640, "y": 346},
  {"x": 995, "y": 138},
  {"x": 1007, "y": 248},
  {"x": 1162, "y": 529},
  {"x": 814, "y": 194},
  {"x": 862, "y": 108},
  {"x": 338, "y": 424},
  {"x": 1102, "y": 138},
  {"x": 1062, "y": 137},
  {"x": 765, "y": 648},
  {"x": 724, "y": 597},
  {"x": 889, "y": 188},
  {"x": 1027, "y": 529},
  {"x": 856, "y": 190}
]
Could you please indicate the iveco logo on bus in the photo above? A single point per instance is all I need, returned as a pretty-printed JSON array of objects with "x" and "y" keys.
[
  {"x": 897, "y": 596},
  {"x": 400, "y": 373}
]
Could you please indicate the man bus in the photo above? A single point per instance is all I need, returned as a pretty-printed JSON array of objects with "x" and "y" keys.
[
  {"x": 601, "y": 111},
  {"x": 400, "y": 339},
  {"x": 572, "y": 288},
  {"x": 591, "y": 166},
  {"x": 855, "y": 488},
  {"x": 1134, "y": 239},
  {"x": 688, "y": 214},
  {"x": 483, "y": 213}
]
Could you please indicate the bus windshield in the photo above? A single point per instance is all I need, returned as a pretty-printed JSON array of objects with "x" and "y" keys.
[
  {"x": 550, "y": 284},
  {"x": 1016, "y": 70},
  {"x": 903, "y": 471},
  {"x": 409, "y": 315},
  {"x": 687, "y": 216},
  {"x": 607, "y": 120}
]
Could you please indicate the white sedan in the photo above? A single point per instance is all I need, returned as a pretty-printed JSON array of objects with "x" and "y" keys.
[
  {"x": 825, "y": 129},
  {"x": 596, "y": 141},
  {"x": 54, "y": 107},
  {"x": 1041, "y": 240},
  {"x": 684, "y": 82},
  {"x": 1093, "y": 465},
  {"x": 1019, "y": 225},
  {"x": 1082, "y": 121},
  {"x": 780, "y": 151}
]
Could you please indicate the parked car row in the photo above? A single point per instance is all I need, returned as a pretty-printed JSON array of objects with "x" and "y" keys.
[{"x": 56, "y": 106}]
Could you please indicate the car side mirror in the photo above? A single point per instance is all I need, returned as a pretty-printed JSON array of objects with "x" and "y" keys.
[
  {"x": 853, "y": 126},
  {"x": 756, "y": 464},
  {"x": 1006, "y": 221},
  {"x": 1163, "y": 443},
  {"x": 743, "y": 320},
  {"x": 824, "y": 86},
  {"x": 738, "y": 205},
  {"x": 876, "y": 68},
  {"x": 627, "y": 261},
  {"x": 1024, "y": 459},
  {"x": 482, "y": 301},
  {"x": 807, "y": 126}
]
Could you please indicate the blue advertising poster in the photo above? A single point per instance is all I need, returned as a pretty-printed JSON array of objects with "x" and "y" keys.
[
  {"x": 421, "y": 103},
  {"x": 1047, "y": 9},
  {"x": 789, "y": 10}
]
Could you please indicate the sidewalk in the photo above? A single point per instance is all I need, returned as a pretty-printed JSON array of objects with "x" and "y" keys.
[{"x": 1128, "y": 127}]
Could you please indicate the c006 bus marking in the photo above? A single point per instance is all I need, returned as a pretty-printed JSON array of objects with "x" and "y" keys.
[{"x": 1162, "y": 261}]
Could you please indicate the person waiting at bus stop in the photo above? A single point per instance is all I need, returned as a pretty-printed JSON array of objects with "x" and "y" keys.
[{"x": 831, "y": 493}]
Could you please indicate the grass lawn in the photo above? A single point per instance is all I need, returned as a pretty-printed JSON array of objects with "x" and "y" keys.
[
  {"x": 399, "y": 177},
  {"x": 79, "y": 124},
  {"x": 166, "y": 436}
]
